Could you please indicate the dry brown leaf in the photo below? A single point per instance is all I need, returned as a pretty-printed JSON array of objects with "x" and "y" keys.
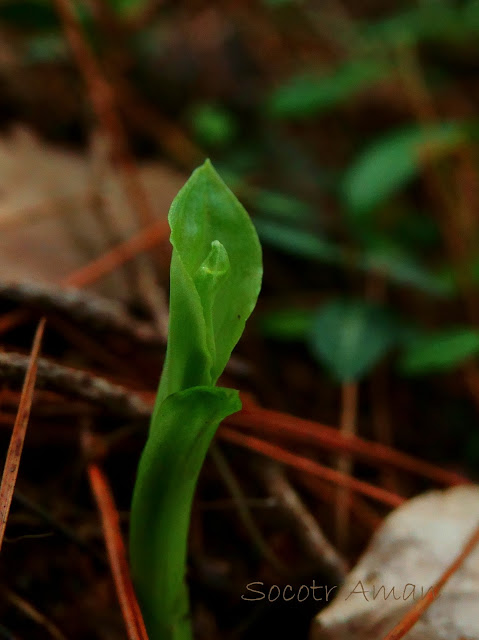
[
  {"x": 49, "y": 199},
  {"x": 409, "y": 552}
]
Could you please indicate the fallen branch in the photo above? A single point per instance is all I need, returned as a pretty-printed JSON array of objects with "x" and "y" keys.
[
  {"x": 83, "y": 308},
  {"x": 77, "y": 384}
]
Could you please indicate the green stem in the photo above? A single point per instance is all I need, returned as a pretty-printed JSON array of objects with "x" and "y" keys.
[{"x": 167, "y": 475}]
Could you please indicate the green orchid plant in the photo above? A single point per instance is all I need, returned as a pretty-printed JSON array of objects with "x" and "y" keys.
[{"x": 215, "y": 279}]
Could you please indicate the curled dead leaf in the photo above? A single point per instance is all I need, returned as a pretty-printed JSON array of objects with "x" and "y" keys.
[{"x": 405, "y": 558}]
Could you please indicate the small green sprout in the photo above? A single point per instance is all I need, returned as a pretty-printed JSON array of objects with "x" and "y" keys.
[{"x": 215, "y": 278}]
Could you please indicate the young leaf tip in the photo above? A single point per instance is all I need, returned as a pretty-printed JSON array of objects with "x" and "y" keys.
[
  {"x": 206, "y": 171},
  {"x": 216, "y": 262},
  {"x": 215, "y": 275}
]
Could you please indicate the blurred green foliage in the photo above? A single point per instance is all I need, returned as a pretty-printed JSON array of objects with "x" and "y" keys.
[
  {"x": 347, "y": 336},
  {"x": 327, "y": 127},
  {"x": 440, "y": 351},
  {"x": 306, "y": 95},
  {"x": 388, "y": 164},
  {"x": 428, "y": 21},
  {"x": 213, "y": 126},
  {"x": 350, "y": 337}
]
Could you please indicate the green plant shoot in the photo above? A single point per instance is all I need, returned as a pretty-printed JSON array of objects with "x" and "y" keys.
[{"x": 215, "y": 278}]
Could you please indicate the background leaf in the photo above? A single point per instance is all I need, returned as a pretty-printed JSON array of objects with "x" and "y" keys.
[
  {"x": 298, "y": 242},
  {"x": 388, "y": 164},
  {"x": 309, "y": 94},
  {"x": 428, "y": 21},
  {"x": 282, "y": 206},
  {"x": 349, "y": 337},
  {"x": 213, "y": 125},
  {"x": 287, "y": 324},
  {"x": 402, "y": 268},
  {"x": 440, "y": 351}
]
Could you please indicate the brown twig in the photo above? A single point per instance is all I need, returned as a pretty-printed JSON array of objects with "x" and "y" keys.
[
  {"x": 98, "y": 351},
  {"x": 306, "y": 528},
  {"x": 142, "y": 241},
  {"x": 310, "y": 466},
  {"x": 376, "y": 291},
  {"x": 96, "y": 269},
  {"x": 234, "y": 488},
  {"x": 77, "y": 384},
  {"x": 167, "y": 135},
  {"x": 83, "y": 308},
  {"x": 104, "y": 103},
  {"x": 116, "y": 551},
  {"x": 457, "y": 218},
  {"x": 171, "y": 138},
  {"x": 349, "y": 410},
  {"x": 364, "y": 514},
  {"x": 12, "y": 463},
  {"x": 450, "y": 209},
  {"x": 413, "y": 615},
  {"x": 277, "y": 424},
  {"x": 99, "y": 161},
  {"x": 381, "y": 419},
  {"x": 31, "y": 612},
  {"x": 123, "y": 402}
]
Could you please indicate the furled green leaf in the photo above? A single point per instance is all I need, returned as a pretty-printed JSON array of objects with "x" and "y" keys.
[
  {"x": 349, "y": 337},
  {"x": 209, "y": 229},
  {"x": 388, "y": 164},
  {"x": 309, "y": 94},
  {"x": 440, "y": 351},
  {"x": 215, "y": 280}
]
